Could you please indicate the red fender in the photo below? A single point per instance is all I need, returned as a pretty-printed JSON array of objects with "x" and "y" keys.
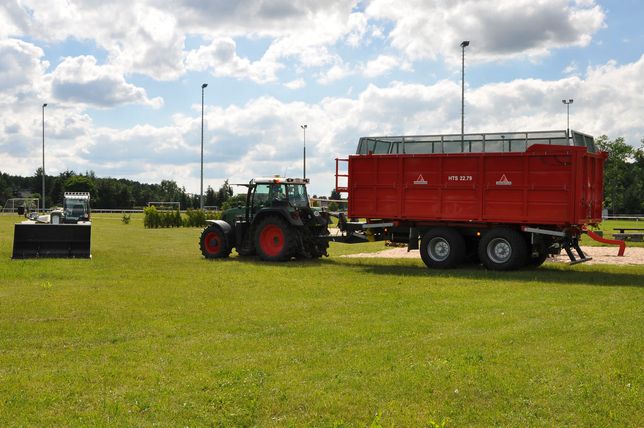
[{"x": 596, "y": 237}]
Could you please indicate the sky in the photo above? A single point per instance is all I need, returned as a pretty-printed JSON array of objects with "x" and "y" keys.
[{"x": 122, "y": 80}]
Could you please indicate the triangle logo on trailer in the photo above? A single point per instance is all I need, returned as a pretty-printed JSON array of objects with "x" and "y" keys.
[
  {"x": 503, "y": 181},
  {"x": 420, "y": 180}
]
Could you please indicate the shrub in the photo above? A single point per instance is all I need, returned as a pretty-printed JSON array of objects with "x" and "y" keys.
[
  {"x": 151, "y": 218},
  {"x": 195, "y": 218},
  {"x": 126, "y": 218}
]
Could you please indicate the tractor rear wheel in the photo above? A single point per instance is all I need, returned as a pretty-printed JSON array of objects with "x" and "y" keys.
[
  {"x": 275, "y": 239},
  {"x": 503, "y": 249},
  {"x": 442, "y": 248},
  {"x": 213, "y": 243}
]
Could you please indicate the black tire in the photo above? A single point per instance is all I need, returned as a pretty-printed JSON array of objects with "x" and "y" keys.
[
  {"x": 213, "y": 244},
  {"x": 472, "y": 250},
  {"x": 537, "y": 252},
  {"x": 275, "y": 240},
  {"x": 442, "y": 248},
  {"x": 246, "y": 251},
  {"x": 503, "y": 249},
  {"x": 535, "y": 262}
]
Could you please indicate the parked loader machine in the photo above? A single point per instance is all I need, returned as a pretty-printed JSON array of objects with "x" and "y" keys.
[
  {"x": 276, "y": 223},
  {"x": 63, "y": 233}
]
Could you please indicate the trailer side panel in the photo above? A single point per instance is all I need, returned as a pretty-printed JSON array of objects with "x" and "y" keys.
[{"x": 547, "y": 184}]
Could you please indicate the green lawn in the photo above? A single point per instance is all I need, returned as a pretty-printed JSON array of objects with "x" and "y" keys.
[{"x": 148, "y": 332}]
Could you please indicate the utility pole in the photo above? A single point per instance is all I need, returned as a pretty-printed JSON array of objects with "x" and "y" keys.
[
  {"x": 43, "y": 157},
  {"x": 203, "y": 86},
  {"x": 464, "y": 44},
  {"x": 304, "y": 156},
  {"x": 567, "y": 103}
]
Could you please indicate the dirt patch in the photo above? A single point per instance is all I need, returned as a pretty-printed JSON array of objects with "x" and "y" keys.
[{"x": 600, "y": 255}]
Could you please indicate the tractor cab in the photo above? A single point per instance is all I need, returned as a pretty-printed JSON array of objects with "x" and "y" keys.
[
  {"x": 277, "y": 192},
  {"x": 76, "y": 207}
]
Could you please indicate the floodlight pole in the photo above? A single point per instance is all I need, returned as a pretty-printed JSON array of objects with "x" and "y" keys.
[
  {"x": 203, "y": 86},
  {"x": 567, "y": 103},
  {"x": 304, "y": 154},
  {"x": 464, "y": 44},
  {"x": 43, "y": 157}
]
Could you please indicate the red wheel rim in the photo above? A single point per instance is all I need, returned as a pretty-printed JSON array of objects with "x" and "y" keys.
[
  {"x": 212, "y": 242},
  {"x": 271, "y": 239}
]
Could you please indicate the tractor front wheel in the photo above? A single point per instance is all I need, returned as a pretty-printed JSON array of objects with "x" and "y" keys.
[
  {"x": 213, "y": 243},
  {"x": 275, "y": 239}
]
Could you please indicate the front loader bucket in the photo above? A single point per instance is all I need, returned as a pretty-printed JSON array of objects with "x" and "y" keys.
[{"x": 31, "y": 240}]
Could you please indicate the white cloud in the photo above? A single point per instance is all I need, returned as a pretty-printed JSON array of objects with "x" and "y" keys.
[
  {"x": 221, "y": 59},
  {"x": 498, "y": 29},
  {"x": 336, "y": 72},
  {"x": 148, "y": 36},
  {"x": 81, "y": 80},
  {"x": 21, "y": 68},
  {"x": 383, "y": 64},
  {"x": 571, "y": 68},
  {"x": 295, "y": 84}
]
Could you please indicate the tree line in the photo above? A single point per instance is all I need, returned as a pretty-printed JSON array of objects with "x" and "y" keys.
[
  {"x": 107, "y": 193},
  {"x": 623, "y": 176},
  {"x": 623, "y": 185}
]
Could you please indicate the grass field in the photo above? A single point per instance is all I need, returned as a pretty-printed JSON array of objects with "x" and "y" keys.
[{"x": 150, "y": 333}]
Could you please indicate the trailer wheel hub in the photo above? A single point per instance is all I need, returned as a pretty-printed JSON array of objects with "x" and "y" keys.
[
  {"x": 439, "y": 249},
  {"x": 499, "y": 250}
]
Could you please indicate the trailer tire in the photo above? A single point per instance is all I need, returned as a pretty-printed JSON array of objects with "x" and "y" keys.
[
  {"x": 503, "y": 249},
  {"x": 442, "y": 248},
  {"x": 213, "y": 243},
  {"x": 535, "y": 262},
  {"x": 275, "y": 239}
]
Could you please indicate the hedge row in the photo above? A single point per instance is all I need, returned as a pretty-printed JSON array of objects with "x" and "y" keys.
[{"x": 154, "y": 218}]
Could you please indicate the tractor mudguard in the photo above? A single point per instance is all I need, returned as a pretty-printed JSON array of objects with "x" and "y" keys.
[{"x": 226, "y": 229}]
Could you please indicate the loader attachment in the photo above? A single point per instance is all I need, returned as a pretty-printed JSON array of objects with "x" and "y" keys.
[{"x": 34, "y": 240}]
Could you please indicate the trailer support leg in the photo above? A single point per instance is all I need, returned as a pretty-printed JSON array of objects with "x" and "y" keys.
[{"x": 573, "y": 243}]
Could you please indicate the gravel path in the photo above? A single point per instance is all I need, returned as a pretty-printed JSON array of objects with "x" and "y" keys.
[{"x": 600, "y": 255}]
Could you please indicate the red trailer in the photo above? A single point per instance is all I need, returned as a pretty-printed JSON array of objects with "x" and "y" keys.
[{"x": 505, "y": 199}]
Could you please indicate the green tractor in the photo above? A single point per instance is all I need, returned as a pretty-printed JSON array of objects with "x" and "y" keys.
[{"x": 276, "y": 223}]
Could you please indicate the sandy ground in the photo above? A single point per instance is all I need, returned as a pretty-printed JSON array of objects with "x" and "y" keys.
[{"x": 600, "y": 255}]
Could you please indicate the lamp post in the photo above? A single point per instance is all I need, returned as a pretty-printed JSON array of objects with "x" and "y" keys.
[
  {"x": 43, "y": 157},
  {"x": 203, "y": 86},
  {"x": 567, "y": 103},
  {"x": 464, "y": 44},
  {"x": 304, "y": 157}
]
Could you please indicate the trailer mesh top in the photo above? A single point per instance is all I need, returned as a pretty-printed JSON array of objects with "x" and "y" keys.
[{"x": 498, "y": 142}]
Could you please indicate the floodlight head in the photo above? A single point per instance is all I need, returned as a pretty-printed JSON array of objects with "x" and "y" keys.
[
  {"x": 44, "y": 105},
  {"x": 303, "y": 126},
  {"x": 204, "y": 85},
  {"x": 465, "y": 43},
  {"x": 570, "y": 101}
]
